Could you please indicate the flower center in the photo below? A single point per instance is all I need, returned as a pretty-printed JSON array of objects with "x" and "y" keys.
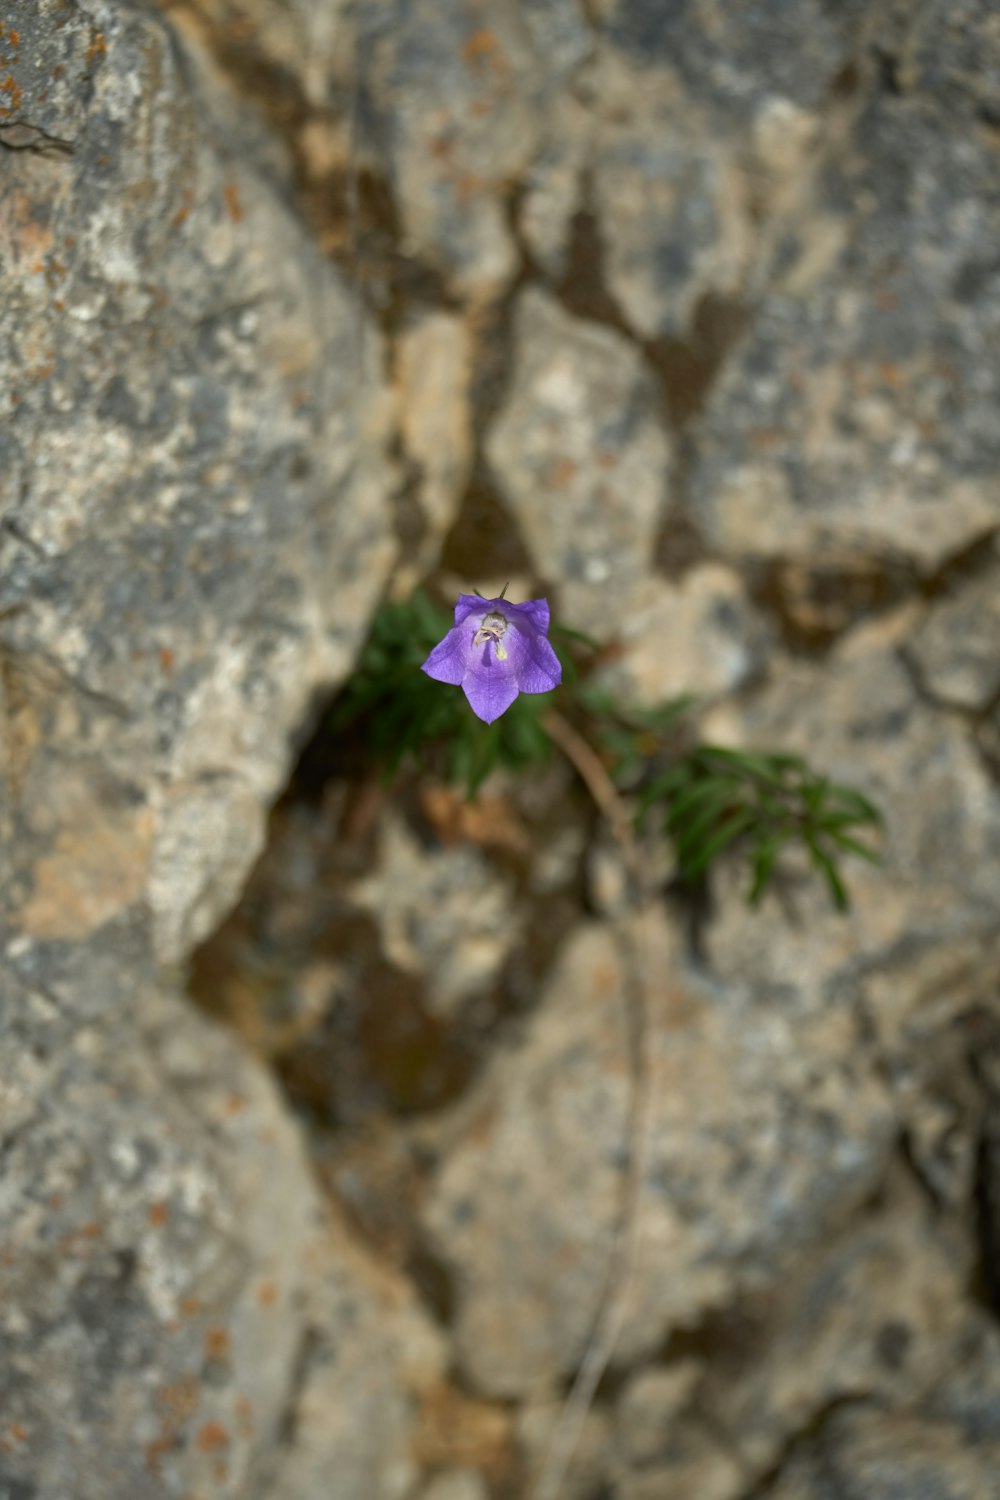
[{"x": 493, "y": 628}]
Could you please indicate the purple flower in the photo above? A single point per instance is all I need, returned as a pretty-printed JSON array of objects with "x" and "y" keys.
[{"x": 494, "y": 651}]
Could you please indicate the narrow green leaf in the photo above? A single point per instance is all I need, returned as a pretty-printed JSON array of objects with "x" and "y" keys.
[
  {"x": 827, "y": 867},
  {"x": 733, "y": 825}
]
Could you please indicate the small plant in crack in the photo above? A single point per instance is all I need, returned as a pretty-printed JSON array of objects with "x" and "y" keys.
[{"x": 463, "y": 697}]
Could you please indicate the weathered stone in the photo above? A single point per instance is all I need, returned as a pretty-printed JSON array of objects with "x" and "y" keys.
[
  {"x": 553, "y": 185},
  {"x": 524, "y": 1209},
  {"x": 737, "y": 58},
  {"x": 867, "y": 1455},
  {"x": 192, "y": 494},
  {"x": 446, "y": 915},
  {"x": 648, "y": 1408},
  {"x": 949, "y": 49},
  {"x": 560, "y": 34},
  {"x": 670, "y": 199},
  {"x": 581, "y": 456},
  {"x": 192, "y": 527},
  {"x": 456, "y": 1484},
  {"x": 954, "y": 651},
  {"x": 859, "y": 716},
  {"x": 914, "y": 960},
  {"x": 860, "y": 408},
  {"x": 454, "y": 88},
  {"x": 159, "y": 1226},
  {"x": 699, "y": 636},
  {"x": 587, "y": 1469},
  {"x": 369, "y": 1359},
  {"x": 433, "y": 374}
]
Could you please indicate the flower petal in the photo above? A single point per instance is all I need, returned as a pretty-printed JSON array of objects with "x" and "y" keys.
[
  {"x": 536, "y": 665},
  {"x": 471, "y": 604},
  {"x": 449, "y": 661},
  {"x": 490, "y": 685},
  {"x": 535, "y": 611}
]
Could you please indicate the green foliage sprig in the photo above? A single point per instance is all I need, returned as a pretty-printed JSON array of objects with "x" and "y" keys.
[{"x": 709, "y": 800}]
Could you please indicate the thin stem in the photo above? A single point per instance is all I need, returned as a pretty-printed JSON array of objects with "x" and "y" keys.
[{"x": 622, "y": 1263}]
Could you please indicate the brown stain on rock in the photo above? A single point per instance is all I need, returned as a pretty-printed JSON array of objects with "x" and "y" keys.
[
  {"x": 96, "y": 868},
  {"x": 13, "y": 95},
  {"x": 98, "y": 47},
  {"x": 234, "y": 207},
  {"x": 25, "y": 238},
  {"x": 212, "y": 1437}
]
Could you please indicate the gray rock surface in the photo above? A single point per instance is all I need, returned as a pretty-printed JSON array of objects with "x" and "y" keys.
[
  {"x": 193, "y": 523},
  {"x": 192, "y": 493},
  {"x": 523, "y": 1210},
  {"x": 454, "y": 94},
  {"x": 859, "y": 409},
  {"x": 865, "y": 1456},
  {"x": 581, "y": 456},
  {"x": 689, "y": 317},
  {"x": 954, "y": 650}
]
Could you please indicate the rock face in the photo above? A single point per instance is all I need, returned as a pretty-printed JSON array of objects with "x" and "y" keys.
[
  {"x": 193, "y": 515},
  {"x": 688, "y": 316},
  {"x": 193, "y": 523},
  {"x": 581, "y": 457}
]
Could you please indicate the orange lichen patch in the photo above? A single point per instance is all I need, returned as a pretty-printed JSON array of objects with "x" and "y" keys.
[
  {"x": 482, "y": 45},
  {"x": 235, "y": 1104},
  {"x": 267, "y": 1294},
  {"x": 97, "y": 48},
  {"x": 167, "y": 660},
  {"x": 212, "y": 1438},
  {"x": 180, "y": 1399},
  {"x": 217, "y": 1344},
  {"x": 191, "y": 1306},
  {"x": 18, "y": 1433},
  {"x": 14, "y": 37},
  {"x": 12, "y": 94},
  {"x": 184, "y": 210},
  {"x": 90, "y": 1231},
  {"x": 157, "y": 1215},
  {"x": 234, "y": 207}
]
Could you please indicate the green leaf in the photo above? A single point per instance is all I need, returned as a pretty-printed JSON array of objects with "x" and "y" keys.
[
  {"x": 827, "y": 867},
  {"x": 708, "y": 789},
  {"x": 733, "y": 825},
  {"x": 695, "y": 828},
  {"x": 764, "y": 861},
  {"x": 852, "y": 845}
]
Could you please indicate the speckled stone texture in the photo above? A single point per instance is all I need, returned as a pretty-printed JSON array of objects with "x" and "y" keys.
[
  {"x": 193, "y": 523},
  {"x": 687, "y": 316}
]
